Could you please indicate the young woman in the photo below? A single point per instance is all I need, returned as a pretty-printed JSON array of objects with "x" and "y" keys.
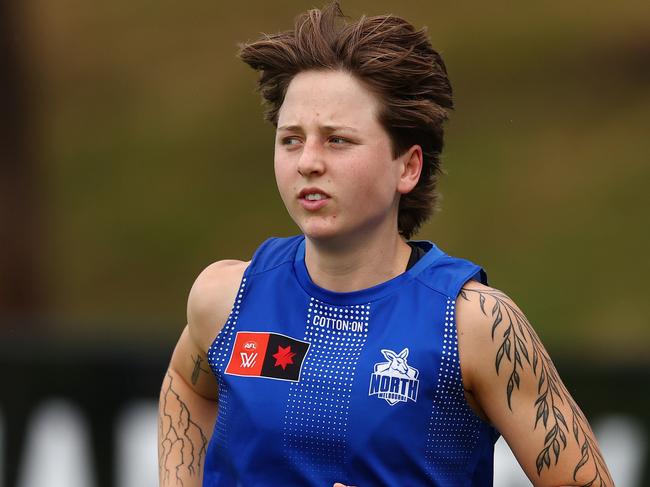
[{"x": 349, "y": 354}]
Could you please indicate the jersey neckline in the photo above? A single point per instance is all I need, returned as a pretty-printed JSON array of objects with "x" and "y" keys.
[{"x": 366, "y": 295}]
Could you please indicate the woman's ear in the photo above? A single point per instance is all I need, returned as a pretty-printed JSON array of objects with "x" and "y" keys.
[{"x": 410, "y": 169}]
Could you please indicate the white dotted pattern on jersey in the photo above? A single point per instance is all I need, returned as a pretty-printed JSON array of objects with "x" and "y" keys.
[
  {"x": 453, "y": 427},
  {"x": 217, "y": 355},
  {"x": 316, "y": 415}
]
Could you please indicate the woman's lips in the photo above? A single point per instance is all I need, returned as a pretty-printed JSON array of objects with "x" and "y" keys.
[
  {"x": 313, "y": 205},
  {"x": 313, "y": 199}
]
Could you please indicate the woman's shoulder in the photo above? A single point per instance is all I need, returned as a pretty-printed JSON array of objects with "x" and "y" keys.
[
  {"x": 479, "y": 308},
  {"x": 211, "y": 298},
  {"x": 492, "y": 331}
]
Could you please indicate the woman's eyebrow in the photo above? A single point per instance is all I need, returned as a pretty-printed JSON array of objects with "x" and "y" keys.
[
  {"x": 334, "y": 128},
  {"x": 323, "y": 128},
  {"x": 292, "y": 128}
]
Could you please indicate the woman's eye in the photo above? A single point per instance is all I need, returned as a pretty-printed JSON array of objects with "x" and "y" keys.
[{"x": 290, "y": 141}]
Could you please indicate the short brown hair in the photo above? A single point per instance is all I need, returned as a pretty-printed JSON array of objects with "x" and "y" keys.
[{"x": 393, "y": 59}]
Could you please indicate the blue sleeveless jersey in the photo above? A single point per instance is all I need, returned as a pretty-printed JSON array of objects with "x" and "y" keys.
[{"x": 363, "y": 388}]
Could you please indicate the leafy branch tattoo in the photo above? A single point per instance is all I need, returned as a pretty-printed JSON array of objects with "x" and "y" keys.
[
  {"x": 180, "y": 438},
  {"x": 522, "y": 348}
]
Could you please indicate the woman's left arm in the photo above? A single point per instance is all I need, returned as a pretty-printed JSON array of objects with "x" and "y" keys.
[{"x": 508, "y": 371}]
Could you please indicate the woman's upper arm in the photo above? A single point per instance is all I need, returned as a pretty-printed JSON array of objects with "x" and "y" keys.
[
  {"x": 509, "y": 372},
  {"x": 208, "y": 306},
  {"x": 211, "y": 298}
]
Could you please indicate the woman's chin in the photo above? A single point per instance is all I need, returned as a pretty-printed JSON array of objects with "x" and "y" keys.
[
  {"x": 320, "y": 231},
  {"x": 320, "y": 234},
  {"x": 332, "y": 230}
]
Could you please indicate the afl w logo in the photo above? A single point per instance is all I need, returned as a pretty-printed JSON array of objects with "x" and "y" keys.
[
  {"x": 395, "y": 380},
  {"x": 248, "y": 359}
]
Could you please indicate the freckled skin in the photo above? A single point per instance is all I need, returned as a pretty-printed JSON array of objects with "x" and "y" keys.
[{"x": 356, "y": 169}]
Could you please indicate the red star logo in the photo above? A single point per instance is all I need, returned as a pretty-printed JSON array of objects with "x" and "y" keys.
[{"x": 283, "y": 357}]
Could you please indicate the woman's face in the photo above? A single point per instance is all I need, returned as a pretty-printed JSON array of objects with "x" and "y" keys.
[{"x": 333, "y": 161}]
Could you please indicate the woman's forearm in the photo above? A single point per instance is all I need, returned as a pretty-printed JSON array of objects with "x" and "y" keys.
[{"x": 185, "y": 422}]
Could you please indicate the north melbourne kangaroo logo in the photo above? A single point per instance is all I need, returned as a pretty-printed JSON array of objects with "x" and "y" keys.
[{"x": 395, "y": 380}]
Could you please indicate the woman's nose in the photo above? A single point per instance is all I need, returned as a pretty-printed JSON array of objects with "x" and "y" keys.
[{"x": 311, "y": 162}]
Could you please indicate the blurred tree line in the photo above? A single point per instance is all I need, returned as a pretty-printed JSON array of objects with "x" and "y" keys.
[{"x": 134, "y": 154}]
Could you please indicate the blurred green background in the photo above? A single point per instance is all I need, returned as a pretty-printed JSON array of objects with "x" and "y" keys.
[{"x": 154, "y": 161}]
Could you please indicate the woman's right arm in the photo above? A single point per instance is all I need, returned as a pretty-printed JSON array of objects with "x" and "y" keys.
[{"x": 187, "y": 406}]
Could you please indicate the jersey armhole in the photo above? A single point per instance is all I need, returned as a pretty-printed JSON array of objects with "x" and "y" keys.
[
  {"x": 481, "y": 276},
  {"x": 221, "y": 342}
]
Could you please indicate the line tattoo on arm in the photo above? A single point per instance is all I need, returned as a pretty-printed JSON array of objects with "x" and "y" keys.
[
  {"x": 178, "y": 433},
  {"x": 522, "y": 348},
  {"x": 197, "y": 369}
]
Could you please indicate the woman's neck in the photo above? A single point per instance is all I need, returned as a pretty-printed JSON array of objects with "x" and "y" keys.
[{"x": 366, "y": 261}]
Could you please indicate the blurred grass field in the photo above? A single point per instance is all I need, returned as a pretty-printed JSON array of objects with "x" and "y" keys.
[{"x": 157, "y": 160}]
